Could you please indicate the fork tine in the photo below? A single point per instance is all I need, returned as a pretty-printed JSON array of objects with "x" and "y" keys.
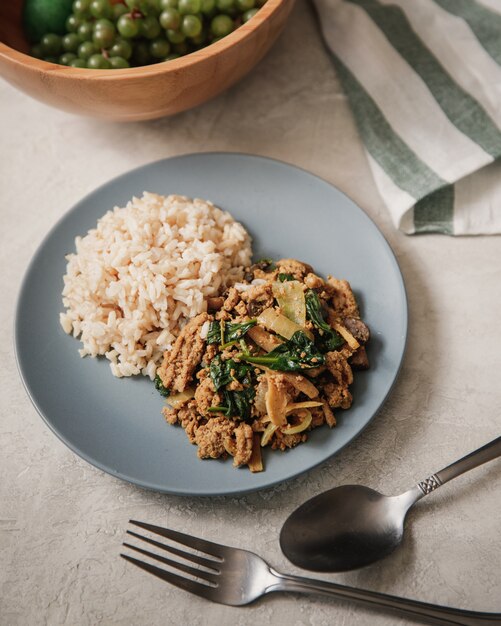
[
  {"x": 194, "y": 558},
  {"x": 178, "y": 581},
  {"x": 210, "y": 548},
  {"x": 198, "y": 573}
]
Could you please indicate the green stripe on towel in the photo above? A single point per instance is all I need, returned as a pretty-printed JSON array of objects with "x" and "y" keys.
[
  {"x": 385, "y": 146},
  {"x": 485, "y": 24},
  {"x": 435, "y": 213},
  {"x": 461, "y": 108}
]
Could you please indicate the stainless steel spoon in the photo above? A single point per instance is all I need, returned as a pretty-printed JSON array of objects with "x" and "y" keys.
[{"x": 351, "y": 526}]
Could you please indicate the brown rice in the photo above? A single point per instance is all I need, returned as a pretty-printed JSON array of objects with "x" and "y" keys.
[{"x": 143, "y": 271}]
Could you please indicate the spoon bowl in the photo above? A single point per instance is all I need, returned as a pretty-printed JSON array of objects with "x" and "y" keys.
[
  {"x": 344, "y": 528},
  {"x": 351, "y": 526}
]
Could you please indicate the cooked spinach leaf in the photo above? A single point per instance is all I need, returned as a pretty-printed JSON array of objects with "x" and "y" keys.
[
  {"x": 159, "y": 386},
  {"x": 283, "y": 277},
  {"x": 296, "y": 354},
  {"x": 329, "y": 339},
  {"x": 235, "y": 403},
  {"x": 267, "y": 265},
  {"x": 232, "y": 331}
]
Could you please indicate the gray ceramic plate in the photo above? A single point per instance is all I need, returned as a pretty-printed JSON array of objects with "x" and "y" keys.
[{"x": 116, "y": 424}]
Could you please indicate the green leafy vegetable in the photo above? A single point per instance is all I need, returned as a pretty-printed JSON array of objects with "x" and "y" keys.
[
  {"x": 230, "y": 333},
  {"x": 159, "y": 386},
  {"x": 283, "y": 278},
  {"x": 329, "y": 339},
  {"x": 298, "y": 353},
  {"x": 267, "y": 265},
  {"x": 235, "y": 403}
]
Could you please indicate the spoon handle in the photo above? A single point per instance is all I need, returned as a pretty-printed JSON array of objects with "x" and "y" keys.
[{"x": 490, "y": 451}]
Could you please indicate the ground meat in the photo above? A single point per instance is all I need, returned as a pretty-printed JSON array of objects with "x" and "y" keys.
[
  {"x": 210, "y": 437},
  {"x": 312, "y": 281},
  {"x": 243, "y": 444},
  {"x": 282, "y": 442},
  {"x": 342, "y": 297},
  {"x": 339, "y": 368},
  {"x": 258, "y": 298},
  {"x": 180, "y": 363},
  {"x": 337, "y": 392},
  {"x": 187, "y": 416},
  {"x": 232, "y": 299},
  {"x": 296, "y": 268},
  {"x": 360, "y": 360},
  {"x": 205, "y": 395}
]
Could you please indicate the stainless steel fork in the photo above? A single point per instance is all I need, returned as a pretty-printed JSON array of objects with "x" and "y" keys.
[{"x": 236, "y": 577}]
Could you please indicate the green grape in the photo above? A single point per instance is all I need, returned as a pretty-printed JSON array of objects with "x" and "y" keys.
[
  {"x": 104, "y": 33},
  {"x": 170, "y": 18},
  {"x": 37, "y": 51},
  {"x": 127, "y": 26},
  {"x": 221, "y": 25},
  {"x": 78, "y": 63},
  {"x": 72, "y": 23},
  {"x": 175, "y": 36},
  {"x": 85, "y": 31},
  {"x": 86, "y": 50},
  {"x": 260, "y": 3},
  {"x": 67, "y": 58},
  {"x": 70, "y": 42},
  {"x": 226, "y": 6},
  {"x": 200, "y": 39},
  {"x": 171, "y": 57},
  {"x": 245, "y": 5},
  {"x": 167, "y": 4},
  {"x": 51, "y": 59},
  {"x": 119, "y": 63},
  {"x": 159, "y": 48},
  {"x": 208, "y": 7},
  {"x": 100, "y": 8},
  {"x": 81, "y": 8},
  {"x": 141, "y": 53},
  {"x": 51, "y": 44},
  {"x": 150, "y": 28},
  {"x": 248, "y": 14},
  {"x": 191, "y": 26},
  {"x": 189, "y": 7},
  {"x": 118, "y": 10},
  {"x": 121, "y": 48},
  {"x": 98, "y": 62}
]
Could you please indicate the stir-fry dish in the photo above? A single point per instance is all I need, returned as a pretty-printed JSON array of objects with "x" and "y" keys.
[{"x": 269, "y": 361}]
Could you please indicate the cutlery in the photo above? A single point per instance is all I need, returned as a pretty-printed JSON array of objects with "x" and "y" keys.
[
  {"x": 237, "y": 577},
  {"x": 351, "y": 526}
]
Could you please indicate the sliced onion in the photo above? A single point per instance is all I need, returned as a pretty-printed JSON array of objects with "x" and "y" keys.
[
  {"x": 268, "y": 434},
  {"x": 178, "y": 399},
  {"x": 347, "y": 336},
  {"x": 290, "y": 298},
  {"x": 299, "y": 428},
  {"x": 278, "y": 323},
  {"x": 297, "y": 406}
]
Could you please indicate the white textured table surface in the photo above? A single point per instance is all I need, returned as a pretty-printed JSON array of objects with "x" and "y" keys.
[{"x": 62, "y": 521}]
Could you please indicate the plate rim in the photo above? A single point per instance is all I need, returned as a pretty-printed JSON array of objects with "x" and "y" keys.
[{"x": 193, "y": 492}]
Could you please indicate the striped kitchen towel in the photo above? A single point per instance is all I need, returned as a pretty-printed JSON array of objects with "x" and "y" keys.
[{"x": 423, "y": 78}]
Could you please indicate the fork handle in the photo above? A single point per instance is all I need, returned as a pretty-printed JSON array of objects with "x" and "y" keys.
[{"x": 430, "y": 613}]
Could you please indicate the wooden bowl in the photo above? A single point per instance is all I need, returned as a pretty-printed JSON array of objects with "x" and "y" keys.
[{"x": 139, "y": 93}]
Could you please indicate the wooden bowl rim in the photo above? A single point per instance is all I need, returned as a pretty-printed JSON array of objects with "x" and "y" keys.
[{"x": 193, "y": 58}]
